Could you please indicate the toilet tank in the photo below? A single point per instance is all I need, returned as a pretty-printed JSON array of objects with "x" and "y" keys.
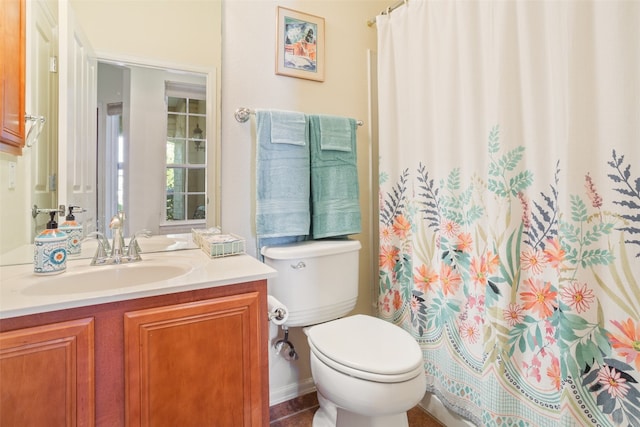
[{"x": 317, "y": 279}]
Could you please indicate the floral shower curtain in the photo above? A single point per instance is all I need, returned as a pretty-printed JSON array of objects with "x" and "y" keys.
[{"x": 510, "y": 205}]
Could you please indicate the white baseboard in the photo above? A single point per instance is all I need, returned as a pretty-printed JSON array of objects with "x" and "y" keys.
[
  {"x": 433, "y": 405},
  {"x": 291, "y": 391}
]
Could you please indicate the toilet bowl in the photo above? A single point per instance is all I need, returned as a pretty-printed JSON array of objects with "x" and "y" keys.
[{"x": 368, "y": 372}]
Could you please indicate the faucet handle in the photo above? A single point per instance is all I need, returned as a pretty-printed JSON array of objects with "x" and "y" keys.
[
  {"x": 102, "y": 240},
  {"x": 134, "y": 250},
  {"x": 102, "y": 250}
]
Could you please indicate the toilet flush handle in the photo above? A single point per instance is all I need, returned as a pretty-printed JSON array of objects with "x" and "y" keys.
[{"x": 299, "y": 265}]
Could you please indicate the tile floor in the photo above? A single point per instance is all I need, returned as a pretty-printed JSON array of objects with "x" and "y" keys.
[{"x": 299, "y": 412}]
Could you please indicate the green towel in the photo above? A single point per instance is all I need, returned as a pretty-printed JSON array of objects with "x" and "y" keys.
[
  {"x": 335, "y": 206},
  {"x": 335, "y": 133}
]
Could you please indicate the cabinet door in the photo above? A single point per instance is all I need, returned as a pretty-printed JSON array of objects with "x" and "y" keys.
[
  {"x": 47, "y": 375},
  {"x": 12, "y": 75},
  {"x": 195, "y": 364}
]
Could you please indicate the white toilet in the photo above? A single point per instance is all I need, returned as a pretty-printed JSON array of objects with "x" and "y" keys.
[{"x": 368, "y": 372}]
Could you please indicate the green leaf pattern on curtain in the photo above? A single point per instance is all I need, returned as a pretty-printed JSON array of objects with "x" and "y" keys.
[{"x": 515, "y": 287}]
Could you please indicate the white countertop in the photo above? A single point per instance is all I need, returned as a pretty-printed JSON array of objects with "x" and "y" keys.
[{"x": 22, "y": 292}]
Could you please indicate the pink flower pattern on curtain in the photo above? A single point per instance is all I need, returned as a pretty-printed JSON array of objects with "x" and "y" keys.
[
  {"x": 512, "y": 255},
  {"x": 521, "y": 303}
]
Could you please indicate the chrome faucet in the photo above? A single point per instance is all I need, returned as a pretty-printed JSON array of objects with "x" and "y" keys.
[
  {"x": 117, "y": 252},
  {"x": 118, "y": 246}
]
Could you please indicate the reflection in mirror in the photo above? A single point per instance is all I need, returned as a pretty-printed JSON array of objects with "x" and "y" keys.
[
  {"x": 185, "y": 158},
  {"x": 163, "y": 243},
  {"x": 46, "y": 173},
  {"x": 152, "y": 138},
  {"x": 41, "y": 98},
  {"x": 151, "y": 154}
]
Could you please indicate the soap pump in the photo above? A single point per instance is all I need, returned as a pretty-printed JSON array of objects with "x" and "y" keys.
[
  {"x": 50, "y": 254},
  {"x": 73, "y": 230}
]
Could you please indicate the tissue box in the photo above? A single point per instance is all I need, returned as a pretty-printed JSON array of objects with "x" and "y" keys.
[
  {"x": 198, "y": 234},
  {"x": 219, "y": 245}
]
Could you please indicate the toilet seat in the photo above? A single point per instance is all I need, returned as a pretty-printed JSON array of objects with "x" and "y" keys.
[{"x": 368, "y": 348}]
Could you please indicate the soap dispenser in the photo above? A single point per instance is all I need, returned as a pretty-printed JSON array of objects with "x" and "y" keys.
[
  {"x": 50, "y": 254},
  {"x": 73, "y": 230}
]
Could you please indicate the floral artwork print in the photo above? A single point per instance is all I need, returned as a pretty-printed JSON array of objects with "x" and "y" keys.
[
  {"x": 300, "y": 44},
  {"x": 526, "y": 302}
]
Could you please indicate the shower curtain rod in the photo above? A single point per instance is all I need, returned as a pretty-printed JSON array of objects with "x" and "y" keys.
[
  {"x": 387, "y": 11},
  {"x": 242, "y": 115}
]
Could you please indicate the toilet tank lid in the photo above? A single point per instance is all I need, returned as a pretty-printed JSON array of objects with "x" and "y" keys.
[{"x": 310, "y": 248}]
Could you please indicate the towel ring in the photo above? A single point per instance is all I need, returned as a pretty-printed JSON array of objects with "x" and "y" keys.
[{"x": 31, "y": 137}]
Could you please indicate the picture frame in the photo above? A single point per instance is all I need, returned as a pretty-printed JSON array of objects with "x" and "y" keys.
[{"x": 300, "y": 45}]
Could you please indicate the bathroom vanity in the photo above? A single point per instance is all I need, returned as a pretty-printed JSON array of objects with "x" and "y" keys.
[{"x": 189, "y": 349}]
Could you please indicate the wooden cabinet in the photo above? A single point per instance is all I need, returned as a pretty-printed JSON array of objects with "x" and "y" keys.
[
  {"x": 46, "y": 375},
  {"x": 193, "y": 358},
  {"x": 194, "y": 364},
  {"x": 12, "y": 75}
]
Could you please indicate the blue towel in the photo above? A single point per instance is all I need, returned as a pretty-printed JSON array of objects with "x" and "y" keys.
[
  {"x": 282, "y": 177},
  {"x": 288, "y": 127},
  {"x": 335, "y": 207}
]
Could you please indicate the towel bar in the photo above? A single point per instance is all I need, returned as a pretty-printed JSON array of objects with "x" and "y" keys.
[{"x": 242, "y": 115}]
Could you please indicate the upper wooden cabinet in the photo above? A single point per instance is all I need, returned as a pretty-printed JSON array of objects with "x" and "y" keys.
[{"x": 12, "y": 75}]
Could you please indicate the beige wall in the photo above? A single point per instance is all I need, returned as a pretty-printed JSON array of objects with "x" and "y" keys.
[
  {"x": 171, "y": 31},
  {"x": 15, "y": 216},
  {"x": 248, "y": 80},
  {"x": 175, "y": 33}
]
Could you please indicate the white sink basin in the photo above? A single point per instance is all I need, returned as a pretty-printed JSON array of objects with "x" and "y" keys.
[{"x": 102, "y": 278}]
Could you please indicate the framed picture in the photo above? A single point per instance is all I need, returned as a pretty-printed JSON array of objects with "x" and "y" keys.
[{"x": 300, "y": 45}]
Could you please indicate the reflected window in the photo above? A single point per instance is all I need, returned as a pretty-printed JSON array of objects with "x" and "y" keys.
[
  {"x": 186, "y": 147},
  {"x": 114, "y": 163}
]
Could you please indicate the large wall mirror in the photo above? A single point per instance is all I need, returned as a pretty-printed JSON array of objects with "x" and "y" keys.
[
  {"x": 154, "y": 149},
  {"x": 153, "y": 139}
]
